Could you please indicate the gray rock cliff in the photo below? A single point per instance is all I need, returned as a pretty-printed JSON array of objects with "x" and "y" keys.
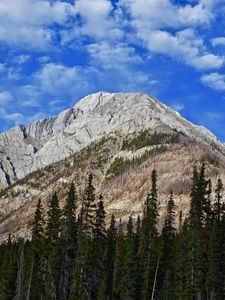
[{"x": 24, "y": 149}]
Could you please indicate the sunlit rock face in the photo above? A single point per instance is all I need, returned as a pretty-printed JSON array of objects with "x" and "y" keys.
[{"x": 24, "y": 149}]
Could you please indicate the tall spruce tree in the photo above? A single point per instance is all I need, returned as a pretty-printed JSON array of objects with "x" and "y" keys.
[
  {"x": 38, "y": 225},
  {"x": 132, "y": 277},
  {"x": 98, "y": 249},
  {"x": 69, "y": 216},
  {"x": 54, "y": 222},
  {"x": 110, "y": 259},
  {"x": 88, "y": 208},
  {"x": 119, "y": 276},
  {"x": 69, "y": 239},
  {"x": 83, "y": 281},
  {"x": 168, "y": 255},
  {"x": 37, "y": 272},
  {"x": 149, "y": 238},
  {"x": 217, "y": 206},
  {"x": 196, "y": 222},
  {"x": 216, "y": 249},
  {"x": 54, "y": 246}
]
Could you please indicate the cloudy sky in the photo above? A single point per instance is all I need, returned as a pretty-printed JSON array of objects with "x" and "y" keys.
[{"x": 52, "y": 53}]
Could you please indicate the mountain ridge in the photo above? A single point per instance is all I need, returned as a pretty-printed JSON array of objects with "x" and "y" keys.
[
  {"x": 25, "y": 149},
  {"x": 119, "y": 138}
]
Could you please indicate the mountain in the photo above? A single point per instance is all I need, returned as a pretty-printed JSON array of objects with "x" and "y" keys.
[
  {"x": 120, "y": 137},
  {"x": 25, "y": 149}
]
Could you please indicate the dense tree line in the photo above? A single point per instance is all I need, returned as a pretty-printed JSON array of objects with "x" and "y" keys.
[{"x": 73, "y": 255}]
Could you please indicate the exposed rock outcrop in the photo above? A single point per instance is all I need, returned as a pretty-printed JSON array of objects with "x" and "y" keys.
[{"x": 25, "y": 149}]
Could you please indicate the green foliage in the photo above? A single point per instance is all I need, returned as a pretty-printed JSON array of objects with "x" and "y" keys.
[
  {"x": 121, "y": 165},
  {"x": 87, "y": 213},
  {"x": 38, "y": 225},
  {"x": 79, "y": 258},
  {"x": 69, "y": 216},
  {"x": 54, "y": 223},
  {"x": 144, "y": 139},
  {"x": 98, "y": 150}
]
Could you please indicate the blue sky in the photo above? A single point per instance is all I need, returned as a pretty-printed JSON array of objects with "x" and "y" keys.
[{"x": 52, "y": 53}]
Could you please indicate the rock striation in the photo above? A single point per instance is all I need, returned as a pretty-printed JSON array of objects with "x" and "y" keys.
[{"x": 24, "y": 149}]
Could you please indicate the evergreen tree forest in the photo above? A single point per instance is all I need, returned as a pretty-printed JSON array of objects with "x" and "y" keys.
[{"x": 74, "y": 255}]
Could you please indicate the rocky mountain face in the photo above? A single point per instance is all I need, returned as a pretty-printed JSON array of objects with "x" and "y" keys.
[
  {"x": 25, "y": 149},
  {"x": 120, "y": 138}
]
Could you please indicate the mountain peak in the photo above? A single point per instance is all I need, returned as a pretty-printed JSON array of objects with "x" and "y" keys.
[{"x": 32, "y": 147}]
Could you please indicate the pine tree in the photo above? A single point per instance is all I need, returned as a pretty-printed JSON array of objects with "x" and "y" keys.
[
  {"x": 54, "y": 245},
  {"x": 110, "y": 259},
  {"x": 99, "y": 230},
  {"x": 69, "y": 239},
  {"x": 168, "y": 255},
  {"x": 88, "y": 208},
  {"x": 197, "y": 221},
  {"x": 149, "y": 238},
  {"x": 83, "y": 283},
  {"x": 119, "y": 276},
  {"x": 98, "y": 248},
  {"x": 54, "y": 223},
  {"x": 36, "y": 284},
  {"x": 217, "y": 248},
  {"x": 132, "y": 262},
  {"x": 217, "y": 211},
  {"x": 38, "y": 225},
  {"x": 69, "y": 216}
]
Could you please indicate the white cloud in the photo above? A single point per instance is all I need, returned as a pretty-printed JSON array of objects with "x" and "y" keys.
[
  {"x": 44, "y": 59},
  {"x": 35, "y": 117},
  {"x": 184, "y": 46},
  {"x": 58, "y": 79},
  {"x": 214, "y": 80},
  {"x": 21, "y": 59},
  {"x": 136, "y": 81},
  {"x": 15, "y": 117},
  {"x": 219, "y": 41},
  {"x": 154, "y": 30},
  {"x": 5, "y": 97},
  {"x": 26, "y": 22},
  {"x": 96, "y": 17},
  {"x": 98, "y": 22},
  {"x": 147, "y": 15},
  {"x": 208, "y": 61},
  {"x": 113, "y": 56}
]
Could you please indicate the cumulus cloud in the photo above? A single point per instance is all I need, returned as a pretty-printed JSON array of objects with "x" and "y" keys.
[
  {"x": 15, "y": 118},
  {"x": 113, "y": 56},
  {"x": 5, "y": 97},
  {"x": 96, "y": 19},
  {"x": 186, "y": 46},
  {"x": 219, "y": 41},
  {"x": 147, "y": 15},
  {"x": 207, "y": 61},
  {"x": 59, "y": 80},
  {"x": 214, "y": 80},
  {"x": 27, "y": 22},
  {"x": 183, "y": 44},
  {"x": 21, "y": 59}
]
